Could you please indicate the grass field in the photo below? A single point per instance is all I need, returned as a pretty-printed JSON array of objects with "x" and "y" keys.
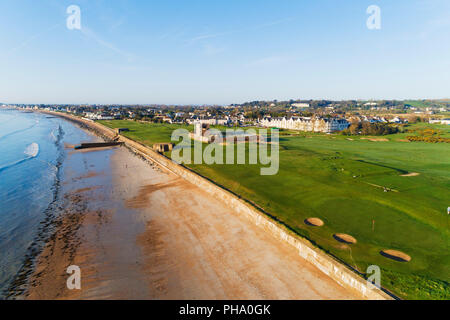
[
  {"x": 418, "y": 103},
  {"x": 340, "y": 180},
  {"x": 424, "y": 104}
]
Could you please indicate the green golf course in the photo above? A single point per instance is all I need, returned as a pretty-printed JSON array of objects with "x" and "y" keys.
[{"x": 386, "y": 192}]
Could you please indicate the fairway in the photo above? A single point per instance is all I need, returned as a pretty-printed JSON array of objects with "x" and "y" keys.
[{"x": 363, "y": 188}]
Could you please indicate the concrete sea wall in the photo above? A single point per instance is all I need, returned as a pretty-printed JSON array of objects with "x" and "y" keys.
[{"x": 326, "y": 263}]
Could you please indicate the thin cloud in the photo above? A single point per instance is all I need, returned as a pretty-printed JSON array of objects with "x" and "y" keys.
[
  {"x": 174, "y": 34},
  {"x": 257, "y": 27},
  {"x": 210, "y": 36},
  {"x": 92, "y": 35},
  {"x": 273, "y": 23},
  {"x": 32, "y": 38},
  {"x": 211, "y": 50},
  {"x": 117, "y": 24},
  {"x": 270, "y": 61}
]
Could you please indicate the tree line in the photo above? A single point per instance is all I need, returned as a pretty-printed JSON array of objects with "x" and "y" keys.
[{"x": 370, "y": 129}]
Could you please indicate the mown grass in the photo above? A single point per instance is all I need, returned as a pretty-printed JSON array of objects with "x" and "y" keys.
[
  {"x": 145, "y": 133},
  {"x": 340, "y": 180}
]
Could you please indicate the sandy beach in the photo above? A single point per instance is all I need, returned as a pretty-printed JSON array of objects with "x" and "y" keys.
[{"x": 140, "y": 232}]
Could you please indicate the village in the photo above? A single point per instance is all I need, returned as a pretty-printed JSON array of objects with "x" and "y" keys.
[{"x": 303, "y": 115}]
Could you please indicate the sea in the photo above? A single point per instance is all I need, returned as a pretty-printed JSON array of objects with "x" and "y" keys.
[{"x": 33, "y": 151}]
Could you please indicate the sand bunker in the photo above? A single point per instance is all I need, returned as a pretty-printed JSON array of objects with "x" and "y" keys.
[
  {"x": 395, "y": 255},
  {"x": 376, "y": 139},
  {"x": 412, "y": 174},
  {"x": 316, "y": 222},
  {"x": 379, "y": 140},
  {"x": 346, "y": 238}
]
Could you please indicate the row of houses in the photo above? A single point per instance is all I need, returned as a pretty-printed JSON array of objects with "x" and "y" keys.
[
  {"x": 314, "y": 124},
  {"x": 99, "y": 116},
  {"x": 378, "y": 119},
  {"x": 440, "y": 121},
  {"x": 209, "y": 121}
]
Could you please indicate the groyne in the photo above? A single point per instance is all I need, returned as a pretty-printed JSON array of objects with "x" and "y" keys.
[{"x": 97, "y": 145}]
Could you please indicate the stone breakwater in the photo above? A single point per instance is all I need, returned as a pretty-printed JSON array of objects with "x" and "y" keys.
[{"x": 324, "y": 262}]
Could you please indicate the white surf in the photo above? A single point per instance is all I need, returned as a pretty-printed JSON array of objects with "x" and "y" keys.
[{"x": 31, "y": 152}]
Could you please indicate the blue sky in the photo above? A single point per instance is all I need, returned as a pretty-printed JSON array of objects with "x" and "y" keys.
[{"x": 220, "y": 52}]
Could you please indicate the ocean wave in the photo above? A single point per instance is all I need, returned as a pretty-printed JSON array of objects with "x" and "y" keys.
[
  {"x": 31, "y": 152},
  {"x": 53, "y": 167},
  {"x": 9, "y": 119},
  {"x": 19, "y": 131},
  {"x": 52, "y": 134}
]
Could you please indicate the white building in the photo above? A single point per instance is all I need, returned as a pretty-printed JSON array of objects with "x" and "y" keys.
[
  {"x": 95, "y": 116},
  {"x": 210, "y": 121},
  {"x": 300, "y": 105},
  {"x": 326, "y": 125},
  {"x": 440, "y": 121},
  {"x": 396, "y": 120}
]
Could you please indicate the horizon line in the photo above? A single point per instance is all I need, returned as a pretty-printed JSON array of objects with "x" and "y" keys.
[{"x": 225, "y": 104}]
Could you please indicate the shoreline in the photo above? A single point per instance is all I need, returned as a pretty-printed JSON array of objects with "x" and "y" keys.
[
  {"x": 150, "y": 231},
  {"x": 62, "y": 216},
  {"x": 19, "y": 285},
  {"x": 87, "y": 236}
]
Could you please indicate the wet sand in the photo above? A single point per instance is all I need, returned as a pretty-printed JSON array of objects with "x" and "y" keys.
[{"x": 141, "y": 232}]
